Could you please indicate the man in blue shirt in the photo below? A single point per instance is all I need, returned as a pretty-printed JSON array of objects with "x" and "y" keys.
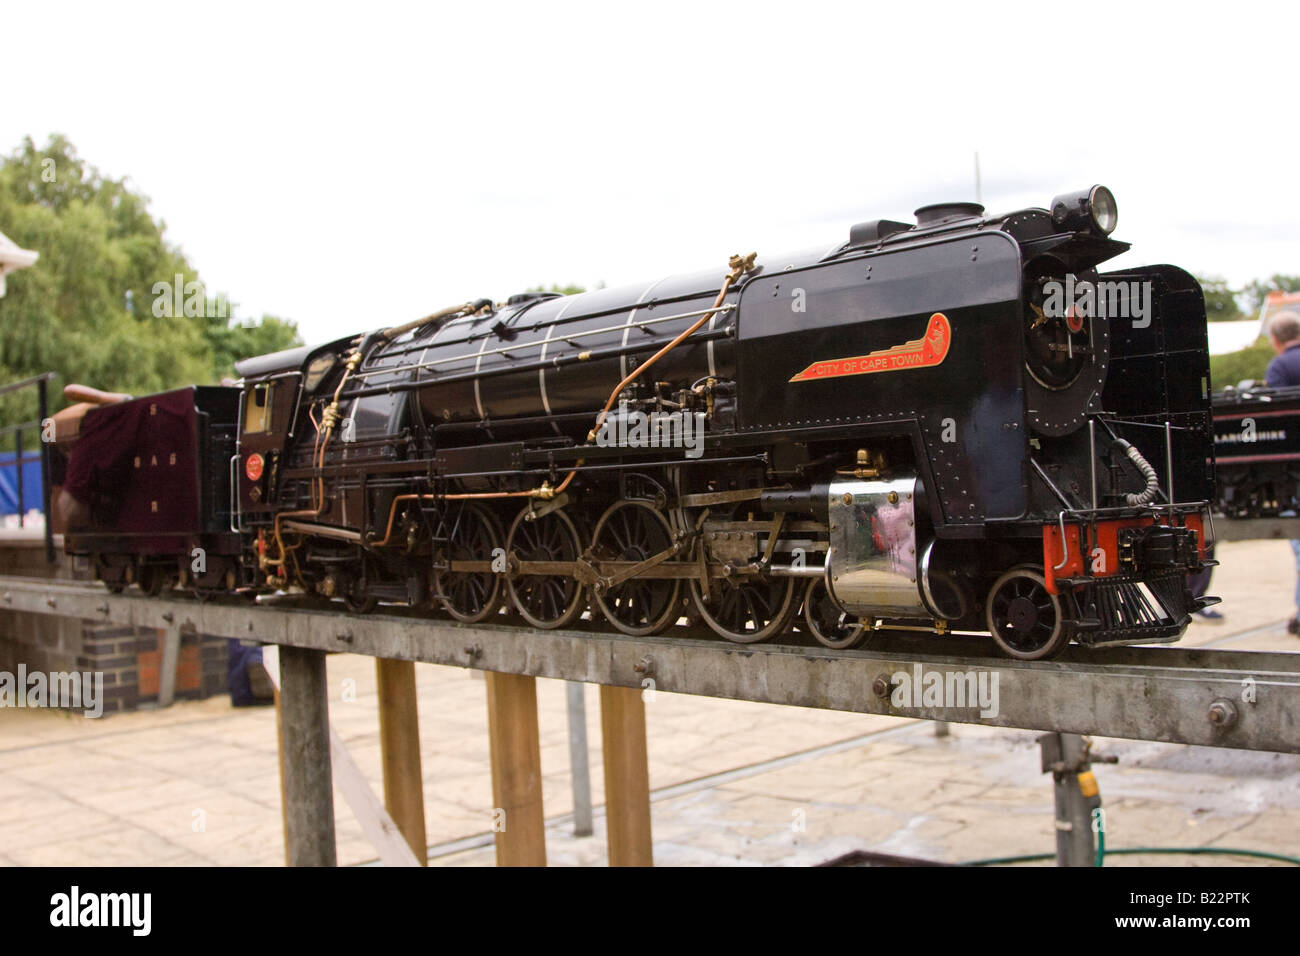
[
  {"x": 1283, "y": 371},
  {"x": 1284, "y": 332}
]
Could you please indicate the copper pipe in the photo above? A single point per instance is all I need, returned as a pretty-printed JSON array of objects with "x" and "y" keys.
[
  {"x": 392, "y": 514},
  {"x": 328, "y": 418},
  {"x": 390, "y": 334},
  {"x": 739, "y": 266}
]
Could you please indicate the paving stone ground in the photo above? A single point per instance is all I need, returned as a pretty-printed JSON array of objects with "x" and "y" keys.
[{"x": 734, "y": 783}]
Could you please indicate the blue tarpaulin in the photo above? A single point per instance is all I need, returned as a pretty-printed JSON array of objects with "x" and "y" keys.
[{"x": 9, "y": 482}]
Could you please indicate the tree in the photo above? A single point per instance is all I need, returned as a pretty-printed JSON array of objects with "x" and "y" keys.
[
  {"x": 100, "y": 305},
  {"x": 1257, "y": 290},
  {"x": 1220, "y": 301},
  {"x": 569, "y": 289},
  {"x": 1251, "y": 362}
]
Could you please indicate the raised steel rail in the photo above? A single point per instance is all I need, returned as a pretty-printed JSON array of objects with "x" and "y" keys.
[
  {"x": 1237, "y": 699},
  {"x": 1252, "y": 529}
]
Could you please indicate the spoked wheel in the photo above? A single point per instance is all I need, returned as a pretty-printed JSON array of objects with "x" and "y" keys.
[
  {"x": 471, "y": 596},
  {"x": 356, "y": 590},
  {"x": 747, "y": 610},
  {"x": 154, "y": 579},
  {"x": 827, "y": 622},
  {"x": 635, "y": 531},
  {"x": 357, "y": 601},
  {"x": 1024, "y": 618},
  {"x": 545, "y": 600}
]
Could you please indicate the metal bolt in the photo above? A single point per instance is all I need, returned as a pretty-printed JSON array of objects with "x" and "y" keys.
[
  {"x": 169, "y": 617},
  {"x": 51, "y": 602},
  {"x": 882, "y": 686},
  {"x": 644, "y": 666},
  {"x": 345, "y": 637},
  {"x": 474, "y": 651},
  {"x": 1223, "y": 713}
]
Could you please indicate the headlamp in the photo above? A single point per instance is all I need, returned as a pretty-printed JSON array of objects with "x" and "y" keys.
[{"x": 1092, "y": 209}]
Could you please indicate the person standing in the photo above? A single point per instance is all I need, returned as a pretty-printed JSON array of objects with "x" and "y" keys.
[{"x": 1284, "y": 371}]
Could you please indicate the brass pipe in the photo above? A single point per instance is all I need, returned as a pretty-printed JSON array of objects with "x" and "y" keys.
[
  {"x": 389, "y": 334},
  {"x": 739, "y": 266}
]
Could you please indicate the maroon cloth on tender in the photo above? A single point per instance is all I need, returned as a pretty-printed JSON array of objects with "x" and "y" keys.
[{"x": 135, "y": 464}]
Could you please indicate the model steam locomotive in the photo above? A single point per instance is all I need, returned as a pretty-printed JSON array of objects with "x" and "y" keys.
[{"x": 949, "y": 425}]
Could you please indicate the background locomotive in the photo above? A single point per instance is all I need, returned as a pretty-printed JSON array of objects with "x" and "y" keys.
[
  {"x": 899, "y": 431},
  {"x": 1257, "y": 446}
]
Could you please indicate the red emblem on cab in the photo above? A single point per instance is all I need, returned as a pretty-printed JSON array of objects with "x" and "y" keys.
[
  {"x": 253, "y": 467},
  {"x": 1073, "y": 319}
]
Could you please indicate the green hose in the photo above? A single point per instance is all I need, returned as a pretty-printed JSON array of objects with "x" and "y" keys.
[
  {"x": 1101, "y": 852},
  {"x": 1100, "y": 830}
]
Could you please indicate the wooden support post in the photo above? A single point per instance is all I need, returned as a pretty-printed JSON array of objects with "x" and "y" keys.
[
  {"x": 305, "y": 765},
  {"x": 171, "y": 658},
  {"x": 284, "y": 800},
  {"x": 627, "y": 776},
  {"x": 517, "y": 817},
  {"x": 399, "y": 744}
]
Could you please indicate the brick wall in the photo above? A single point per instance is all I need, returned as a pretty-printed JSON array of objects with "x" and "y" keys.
[{"x": 130, "y": 658}]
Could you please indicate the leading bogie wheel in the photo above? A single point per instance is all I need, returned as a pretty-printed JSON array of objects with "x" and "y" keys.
[
  {"x": 1024, "y": 618},
  {"x": 835, "y": 628}
]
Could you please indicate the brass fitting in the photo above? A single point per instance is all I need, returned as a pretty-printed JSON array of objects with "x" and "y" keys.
[{"x": 741, "y": 264}]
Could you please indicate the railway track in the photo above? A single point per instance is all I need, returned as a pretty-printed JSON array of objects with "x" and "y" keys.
[{"x": 1205, "y": 696}]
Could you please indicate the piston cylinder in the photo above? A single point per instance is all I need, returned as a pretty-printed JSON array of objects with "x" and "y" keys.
[{"x": 872, "y": 563}]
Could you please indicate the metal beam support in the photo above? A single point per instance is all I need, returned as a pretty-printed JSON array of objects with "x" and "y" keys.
[
  {"x": 1252, "y": 529},
  {"x": 1066, "y": 757},
  {"x": 579, "y": 758},
  {"x": 308, "y": 786},
  {"x": 1236, "y": 699}
]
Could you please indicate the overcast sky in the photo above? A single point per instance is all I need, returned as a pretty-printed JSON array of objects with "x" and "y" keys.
[{"x": 359, "y": 165}]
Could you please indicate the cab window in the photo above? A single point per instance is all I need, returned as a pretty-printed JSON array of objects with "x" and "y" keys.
[{"x": 257, "y": 408}]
